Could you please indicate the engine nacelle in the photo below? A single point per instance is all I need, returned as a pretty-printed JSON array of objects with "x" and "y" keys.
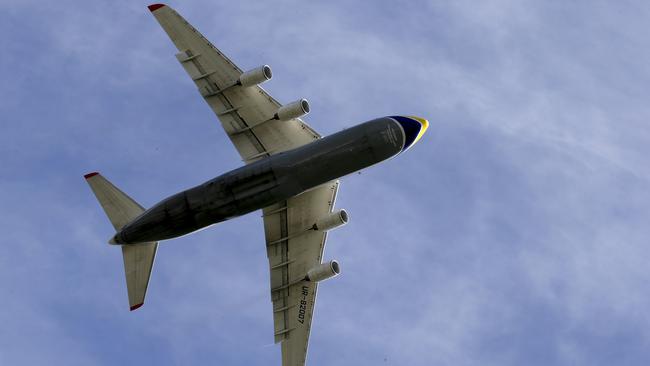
[
  {"x": 332, "y": 221},
  {"x": 323, "y": 271},
  {"x": 255, "y": 76},
  {"x": 292, "y": 110}
]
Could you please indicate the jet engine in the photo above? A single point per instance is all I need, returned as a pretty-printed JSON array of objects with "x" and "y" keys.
[
  {"x": 332, "y": 221},
  {"x": 323, "y": 271},
  {"x": 255, "y": 76},
  {"x": 292, "y": 110}
]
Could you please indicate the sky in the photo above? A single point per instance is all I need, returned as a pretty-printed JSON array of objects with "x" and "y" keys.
[{"x": 515, "y": 232}]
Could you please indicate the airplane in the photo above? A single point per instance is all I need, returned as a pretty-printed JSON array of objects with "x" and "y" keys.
[{"x": 291, "y": 174}]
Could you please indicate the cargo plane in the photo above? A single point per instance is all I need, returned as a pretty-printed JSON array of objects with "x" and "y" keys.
[{"x": 290, "y": 173}]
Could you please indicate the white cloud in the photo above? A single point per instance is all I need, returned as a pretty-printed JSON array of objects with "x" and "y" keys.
[{"x": 514, "y": 229}]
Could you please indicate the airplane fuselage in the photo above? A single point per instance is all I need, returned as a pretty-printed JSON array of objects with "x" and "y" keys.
[{"x": 268, "y": 181}]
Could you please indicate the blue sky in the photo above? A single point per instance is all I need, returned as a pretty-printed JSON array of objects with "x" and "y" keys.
[{"x": 515, "y": 232}]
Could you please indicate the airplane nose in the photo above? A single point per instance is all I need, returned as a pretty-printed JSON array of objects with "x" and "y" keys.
[{"x": 414, "y": 128}]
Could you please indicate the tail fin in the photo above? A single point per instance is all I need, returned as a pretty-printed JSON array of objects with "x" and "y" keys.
[{"x": 138, "y": 258}]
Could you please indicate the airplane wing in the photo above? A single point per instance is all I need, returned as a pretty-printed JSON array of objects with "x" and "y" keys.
[
  {"x": 247, "y": 116},
  {"x": 292, "y": 250},
  {"x": 247, "y": 113}
]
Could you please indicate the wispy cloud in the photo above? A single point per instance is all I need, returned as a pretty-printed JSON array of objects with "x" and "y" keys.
[{"x": 514, "y": 233}]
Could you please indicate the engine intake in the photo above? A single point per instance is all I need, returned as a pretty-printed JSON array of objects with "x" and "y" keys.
[
  {"x": 255, "y": 76},
  {"x": 323, "y": 271},
  {"x": 292, "y": 110},
  {"x": 332, "y": 221}
]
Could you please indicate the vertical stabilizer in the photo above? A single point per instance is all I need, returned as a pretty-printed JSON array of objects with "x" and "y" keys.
[{"x": 138, "y": 258}]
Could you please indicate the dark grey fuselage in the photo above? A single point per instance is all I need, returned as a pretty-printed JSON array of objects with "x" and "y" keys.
[{"x": 267, "y": 181}]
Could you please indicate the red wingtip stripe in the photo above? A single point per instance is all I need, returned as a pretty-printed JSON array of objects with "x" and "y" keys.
[
  {"x": 137, "y": 306},
  {"x": 90, "y": 175},
  {"x": 153, "y": 7}
]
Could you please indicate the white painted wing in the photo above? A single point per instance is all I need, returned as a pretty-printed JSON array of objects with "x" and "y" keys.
[
  {"x": 238, "y": 108},
  {"x": 292, "y": 250}
]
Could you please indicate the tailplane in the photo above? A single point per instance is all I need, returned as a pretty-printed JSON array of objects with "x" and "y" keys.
[{"x": 138, "y": 258}]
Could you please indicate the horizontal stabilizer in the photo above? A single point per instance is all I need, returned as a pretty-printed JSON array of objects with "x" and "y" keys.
[
  {"x": 138, "y": 258},
  {"x": 119, "y": 207},
  {"x": 138, "y": 263}
]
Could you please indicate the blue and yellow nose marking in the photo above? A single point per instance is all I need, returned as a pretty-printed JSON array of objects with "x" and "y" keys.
[{"x": 414, "y": 128}]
